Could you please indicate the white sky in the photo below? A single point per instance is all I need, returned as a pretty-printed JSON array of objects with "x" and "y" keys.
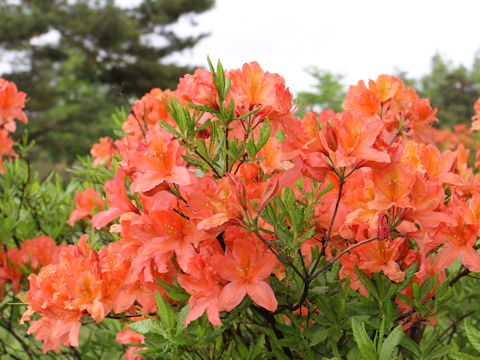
[{"x": 360, "y": 39}]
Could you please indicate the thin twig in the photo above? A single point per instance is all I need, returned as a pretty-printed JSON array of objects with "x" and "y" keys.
[
  {"x": 330, "y": 227},
  {"x": 208, "y": 163},
  {"x": 459, "y": 276},
  {"x": 330, "y": 263},
  {"x": 454, "y": 324}
]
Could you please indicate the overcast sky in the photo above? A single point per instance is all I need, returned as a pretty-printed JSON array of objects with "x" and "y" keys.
[{"x": 360, "y": 39}]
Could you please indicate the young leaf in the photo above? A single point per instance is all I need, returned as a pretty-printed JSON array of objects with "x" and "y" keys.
[
  {"x": 365, "y": 344},
  {"x": 367, "y": 282},
  {"x": 165, "y": 311},
  {"x": 411, "y": 346},
  {"x": 264, "y": 134},
  {"x": 390, "y": 344},
  {"x": 167, "y": 127},
  {"x": 146, "y": 326},
  {"x": 473, "y": 335},
  {"x": 462, "y": 356}
]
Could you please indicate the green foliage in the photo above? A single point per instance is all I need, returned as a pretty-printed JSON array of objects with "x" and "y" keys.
[
  {"x": 328, "y": 93},
  {"x": 103, "y": 55},
  {"x": 30, "y": 207},
  {"x": 452, "y": 89}
]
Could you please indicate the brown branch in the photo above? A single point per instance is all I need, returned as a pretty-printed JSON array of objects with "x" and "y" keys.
[
  {"x": 330, "y": 263},
  {"x": 208, "y": 163},
  {"x": 454, "y": 324},
  {"x": 330, "y": 227},
  {"x": 459, "y": 276}
]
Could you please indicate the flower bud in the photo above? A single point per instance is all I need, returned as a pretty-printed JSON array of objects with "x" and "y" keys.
[
  {"x": 269, "y": 193},
  {"x": 240, "y": 191},
  {"x": 383, "y": 231},
  {"x": 331, "y": 137}
]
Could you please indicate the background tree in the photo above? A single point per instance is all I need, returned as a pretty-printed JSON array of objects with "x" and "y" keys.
[
  {"x": 452, "y": 89},
  {"x": 328, "y": 92},
  {"x": 77, "y": 60}
]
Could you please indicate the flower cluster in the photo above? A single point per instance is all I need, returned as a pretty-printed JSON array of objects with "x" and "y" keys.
[
  {"x": 31, "y": 255},
  {"x": 12, "y": 102},
  {"x": 191, "y": 201}
]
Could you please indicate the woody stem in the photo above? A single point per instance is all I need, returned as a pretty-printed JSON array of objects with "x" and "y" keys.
[
  {"x": 330, "y": 227},
  {"x": 331, "y": 262}
]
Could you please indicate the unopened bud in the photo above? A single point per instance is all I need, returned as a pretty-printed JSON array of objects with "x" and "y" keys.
[
  {"x": 383, "y": 231},
  {"x": 331, "y": 137},
  {"x": 240, "y": 191},
  {"x": 269, "y": 193}
]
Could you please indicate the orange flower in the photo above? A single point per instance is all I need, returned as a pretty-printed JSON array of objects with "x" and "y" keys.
[
  {"x": 158, "y": 163},
  {"x": 147, "y": 112},
  {"x": 355, "y": 137},
  {"x": 40, "y": 251},
  {"x": 382, "y": 256},
  {"x": 476, "y": 118},
  {"x": 6, "y": 148},
  {"x": 438, "y": 165},
  {"x": 203, "y": 284},
  {"x": 103, "y": 151},
  {"x": 12, "y": 102},
  {"x": 163, "y": 233},
  {"x": 428, "y": 210},
  {"x": 421, "y": 119},
  {"x": 9, "y": 273},
  {"x": 87, "y": 201},
  {"x": 252, "y": 87},
  {"x": 393, "y": 186},
  {"x": 247, "y": 272},
  {"x": 198, "y": 88},
  {"x": 213, "y": 203},
  {"x": 361, "y": 100},
  {"x": 459, "y": 242},
  {"x": 128, "y": 336},
  {"x": 117, "y": 194},
  {"x": 62, "y": 292}
]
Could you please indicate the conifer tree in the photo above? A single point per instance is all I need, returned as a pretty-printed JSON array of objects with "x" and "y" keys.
[{"x": 80, "y": 59}]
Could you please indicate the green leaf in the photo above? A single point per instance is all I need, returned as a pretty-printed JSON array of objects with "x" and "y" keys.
[
  {"x": 210, "y": 65},
  {"x": 390, "y": 344},
  {"x": 199, "y": 164},
  {"x": 411, "y": 346},
  {"x": 219, "y": 148},
  {"x": 406, "y": 299},
  {"x": 367, "y": 282},
  {"x": 167, "y": 127},
  {"x": 202, "y": 127},
  {"x": 319, "y": 337},
  {"x": 307, "y": 235},
  {"x": 264, "y": 134},
  {"x": 250, "y": 145},
  {"x": 165, "y": 311},
  {"x": 473, "y": 335},
  {"x": 426, "y": 287},
  {"x": 251, "y": 112},
  {"x": 365, "y": 344},
  {"x": 462, "y": 356},
  {"x": 438, "y": 352},
  {"x": 324, "y": 191},
  {"x": 146, "y": 326},
  {"x": 178, "y": 295}
]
